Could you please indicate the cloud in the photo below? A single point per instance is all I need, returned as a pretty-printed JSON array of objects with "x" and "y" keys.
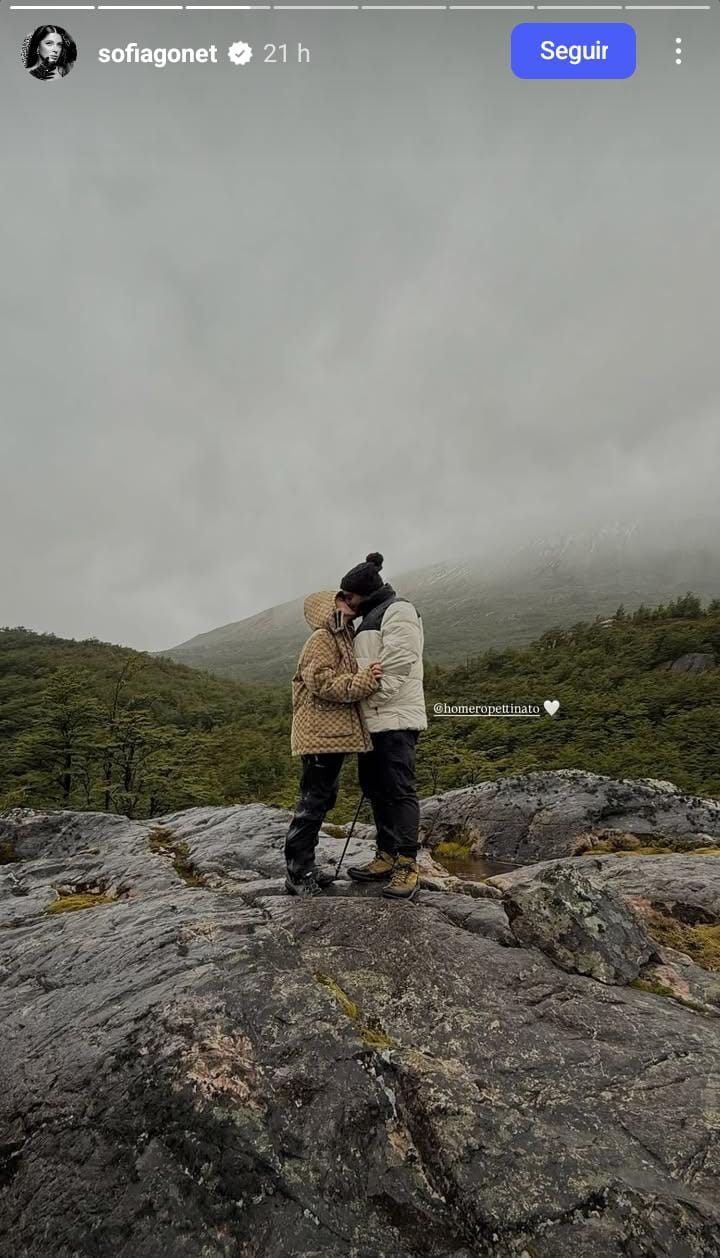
[{"x": 256, "y": 326}]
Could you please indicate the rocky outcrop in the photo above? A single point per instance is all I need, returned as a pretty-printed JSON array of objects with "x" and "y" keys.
[
  {"x": 688, "y": 887},
  {"x": 693, "y": 662},
  {"x": 545, "y": 815},
  {"x": 676, "y": 897},
  {"x": 200, "y": 1066},
  {"x": 579, "y": 924}
]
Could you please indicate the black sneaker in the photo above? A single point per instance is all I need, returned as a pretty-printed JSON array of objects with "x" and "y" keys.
[{"x": 303, "y": 884}]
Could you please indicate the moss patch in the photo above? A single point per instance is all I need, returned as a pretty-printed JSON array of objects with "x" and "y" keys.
[
  {"x": 71, "y": 896},
  {"x": 629, "y": 844},
  {"x": 165, "y": 841},
  {"x": 453, "y": 850},
  {"x": 369, "y": 1030},
  {"x": 652, "y": 985},
  {"x": 614, "y": 843},
  {"x": 7, "y": 852},
  {"x": 673, "y": 851},
  {"x": 701, "y": 943},
  {"x": 82, "y": 900}
]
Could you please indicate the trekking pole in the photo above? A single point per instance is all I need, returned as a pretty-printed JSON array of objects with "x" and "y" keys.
[{"x": 352, "y": 827}]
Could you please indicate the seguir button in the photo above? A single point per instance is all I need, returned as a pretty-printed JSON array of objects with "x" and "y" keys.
[{"x": 573, "y": 50}]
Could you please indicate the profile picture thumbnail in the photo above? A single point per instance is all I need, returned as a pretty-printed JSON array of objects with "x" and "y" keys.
[{"x": 49, "y": 53}]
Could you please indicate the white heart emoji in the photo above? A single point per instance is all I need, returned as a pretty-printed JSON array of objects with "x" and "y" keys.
[{"x": 551, "y": 706}]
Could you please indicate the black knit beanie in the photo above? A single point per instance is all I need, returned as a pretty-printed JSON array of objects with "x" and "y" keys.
[{"x": 365, "y": 578}]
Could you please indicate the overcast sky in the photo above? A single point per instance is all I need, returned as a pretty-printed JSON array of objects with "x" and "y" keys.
[{"x": 256, "y": 322}]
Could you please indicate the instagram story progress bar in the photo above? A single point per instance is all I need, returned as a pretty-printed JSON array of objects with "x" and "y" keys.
[{"x": 366, "y": 8}]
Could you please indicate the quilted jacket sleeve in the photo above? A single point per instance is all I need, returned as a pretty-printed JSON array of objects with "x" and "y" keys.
[
  {"x": 318, "y": 669},
  {"x": 401, "y": 646}
]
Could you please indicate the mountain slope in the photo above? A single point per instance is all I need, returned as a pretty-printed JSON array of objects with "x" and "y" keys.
[{"x": 470, "y": 606}]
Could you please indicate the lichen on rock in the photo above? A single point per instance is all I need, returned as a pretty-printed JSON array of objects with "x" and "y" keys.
[{"x": 579, "y": 924}]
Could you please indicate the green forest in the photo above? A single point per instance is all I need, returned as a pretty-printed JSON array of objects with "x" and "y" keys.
[{"x": 87, "y": 725}]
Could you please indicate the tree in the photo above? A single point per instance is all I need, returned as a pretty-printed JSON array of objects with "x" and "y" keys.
[
  {"x": 688, "y": 607},
  {"x": 113, "y": 717},
  {"x": 59, "y": 747}
]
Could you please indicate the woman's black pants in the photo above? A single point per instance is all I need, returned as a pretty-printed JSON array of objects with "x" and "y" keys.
[{"x": 318, "y": 793}]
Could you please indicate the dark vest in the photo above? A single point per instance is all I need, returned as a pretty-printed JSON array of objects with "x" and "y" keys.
[{"x": 373, "y": 618}]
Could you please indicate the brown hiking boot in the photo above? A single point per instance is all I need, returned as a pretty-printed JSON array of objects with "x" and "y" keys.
[
  {"x": 378, "y": 869},
  {"x": 404, "y": 881}
]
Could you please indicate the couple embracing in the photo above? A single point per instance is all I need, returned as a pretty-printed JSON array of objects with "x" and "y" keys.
[{"x": 359, "y": 689}]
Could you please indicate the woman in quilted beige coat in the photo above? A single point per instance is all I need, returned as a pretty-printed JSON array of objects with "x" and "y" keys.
[{"x": 327, "y": 725}]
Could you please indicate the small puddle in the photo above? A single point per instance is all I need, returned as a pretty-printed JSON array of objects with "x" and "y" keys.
[{"x": 475, "y": 868}]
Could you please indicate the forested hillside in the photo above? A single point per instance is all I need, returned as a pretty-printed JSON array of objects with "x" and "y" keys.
[
  {"x": 87, "y": 725},
  {"x": 639, "y": 697}
]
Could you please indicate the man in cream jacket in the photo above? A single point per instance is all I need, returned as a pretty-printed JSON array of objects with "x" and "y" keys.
[{"x": 390, "y": 632}]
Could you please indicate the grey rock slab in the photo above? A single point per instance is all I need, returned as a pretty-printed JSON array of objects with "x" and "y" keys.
[
  {"x": 188, "y": 1073},
  {"x": 543, "y": 815},
  {"x": 481, "y": 917},
  {"x": 251, "y": 836},
  {"x": 524, "y": 1100}
]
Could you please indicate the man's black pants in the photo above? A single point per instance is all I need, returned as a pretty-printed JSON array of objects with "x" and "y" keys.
[
  {"x": 387, "y": 778},
  {"x": 318, "y": 792}
]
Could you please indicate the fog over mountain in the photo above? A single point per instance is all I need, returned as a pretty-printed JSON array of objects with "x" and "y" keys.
[
  {"x": 501, "y": 599},
  {"x": 256, "y": 326}
]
